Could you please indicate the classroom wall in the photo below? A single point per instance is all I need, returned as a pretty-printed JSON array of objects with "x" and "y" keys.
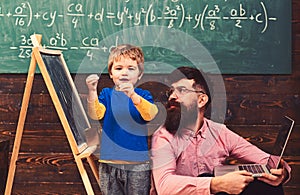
[{"x": 255, "y": 104}]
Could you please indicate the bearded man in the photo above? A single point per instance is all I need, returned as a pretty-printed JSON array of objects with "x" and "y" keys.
[{"x": 187, "y": 147}]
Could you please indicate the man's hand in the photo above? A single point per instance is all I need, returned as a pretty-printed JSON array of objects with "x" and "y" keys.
[
  {"x": 231, "y": 183},
  {"x": 277, "y": 177}
]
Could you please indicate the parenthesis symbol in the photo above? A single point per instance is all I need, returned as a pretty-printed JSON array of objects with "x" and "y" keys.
[
  {"x": 202, "y": 17},
  {"x": 147, "y": 14},
  {"x": 30, "y": 14},
  {"x": 183, "y": 16},
  {"x": 266, "y": 17}
]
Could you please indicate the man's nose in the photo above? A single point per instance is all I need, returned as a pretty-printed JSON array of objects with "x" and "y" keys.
[{"x": 173, "y": 95}]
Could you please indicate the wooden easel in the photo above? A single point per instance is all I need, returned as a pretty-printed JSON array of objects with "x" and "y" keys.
[{"x": 77, "y": 153}]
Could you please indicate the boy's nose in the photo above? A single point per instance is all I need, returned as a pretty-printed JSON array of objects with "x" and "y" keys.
[{"x": 124, "y": 72}]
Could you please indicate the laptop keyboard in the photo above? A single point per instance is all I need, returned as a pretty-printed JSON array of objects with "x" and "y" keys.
[{"x": 252, "y": 168}]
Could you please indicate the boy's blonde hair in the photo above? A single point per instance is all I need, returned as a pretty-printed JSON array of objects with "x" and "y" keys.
[{"x": 128, "y": 51}]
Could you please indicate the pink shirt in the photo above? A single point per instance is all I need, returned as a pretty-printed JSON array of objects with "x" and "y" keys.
[{"x": 179, "y": 160}]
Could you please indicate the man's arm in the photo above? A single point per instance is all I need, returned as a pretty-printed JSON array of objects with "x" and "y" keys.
[
  {"x": 247, "y": 152},
  {"x": 168, "y": 182},
  {"x": 231, "y": 183}
]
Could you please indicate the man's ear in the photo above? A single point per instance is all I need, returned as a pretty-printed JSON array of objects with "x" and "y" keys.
[{"x": 202, "y": 100}]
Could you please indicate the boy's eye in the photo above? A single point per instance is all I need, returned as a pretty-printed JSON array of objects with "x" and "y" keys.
[
  {"x": 118, "y": 68},
  {"x": 131, "y": 68}
]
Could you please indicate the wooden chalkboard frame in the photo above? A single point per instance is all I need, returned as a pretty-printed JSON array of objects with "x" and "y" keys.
[
  {"x": 81, "y": 151},
  {"x": 72, "y": 132}
]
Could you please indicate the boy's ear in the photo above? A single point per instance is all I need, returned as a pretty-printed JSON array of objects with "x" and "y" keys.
[{"x": 140, "y": 76}]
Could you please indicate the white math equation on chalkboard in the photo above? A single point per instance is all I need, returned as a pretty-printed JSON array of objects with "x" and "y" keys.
[
  {"x": 59, "y": 42},
  {"x": 174, "y": 16}
]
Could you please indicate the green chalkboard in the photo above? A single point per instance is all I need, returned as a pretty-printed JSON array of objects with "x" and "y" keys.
[{"x": 227, "y": 36}]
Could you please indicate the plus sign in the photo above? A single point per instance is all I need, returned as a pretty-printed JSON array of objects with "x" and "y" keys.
[
  {"x": 104, "y": 48},
  {"x": 37, "y": 15},
  {"x": 130, "y": 16},
  {"x": 90, "y": 15},
  {"x": 189, "y": 18}
]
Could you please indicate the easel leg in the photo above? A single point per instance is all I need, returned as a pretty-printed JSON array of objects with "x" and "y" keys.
[
  {"x": 20, "y": 127},
  {"x": 94, "y": 168},
  {"x": 84, "y": 176}
]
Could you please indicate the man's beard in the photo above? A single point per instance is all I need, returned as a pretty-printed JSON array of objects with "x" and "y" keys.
[{"x": 179, "y": 116}]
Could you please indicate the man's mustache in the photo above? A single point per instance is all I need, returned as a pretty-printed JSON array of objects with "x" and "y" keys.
[{"x": 173, "y": 104}]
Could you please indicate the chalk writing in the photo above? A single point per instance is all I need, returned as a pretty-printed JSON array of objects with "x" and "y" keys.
[
  {"x": 227, "y": 28},
  {"x": 174, "y": 16},
  {"x": 171, "y": 14}
]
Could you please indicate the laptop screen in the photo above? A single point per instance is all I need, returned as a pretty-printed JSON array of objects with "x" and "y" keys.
[{"x": 282, "y": 137}]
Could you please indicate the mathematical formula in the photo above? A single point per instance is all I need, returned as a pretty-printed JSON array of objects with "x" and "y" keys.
[
  {"x": 61, "y": 43},
  {"x": 241, "y": 35},
  {"x": 174, "y": 15}
]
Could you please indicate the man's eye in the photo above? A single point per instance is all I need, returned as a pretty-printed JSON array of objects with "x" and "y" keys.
[
  {"x": 181, "y": 89},
  {"x": 184, "y": 90}
]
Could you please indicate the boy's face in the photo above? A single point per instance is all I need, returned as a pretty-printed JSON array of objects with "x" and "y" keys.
[{"x": 125, "y": 70}]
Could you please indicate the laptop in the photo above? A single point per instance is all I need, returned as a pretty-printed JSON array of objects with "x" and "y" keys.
[{"x": 278, "y": 150}]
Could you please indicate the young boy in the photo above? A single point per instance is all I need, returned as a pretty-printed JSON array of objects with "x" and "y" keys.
[{"x": 124, "y": 110}]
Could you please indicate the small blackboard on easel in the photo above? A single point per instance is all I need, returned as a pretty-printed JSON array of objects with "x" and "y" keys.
[
  {"x": 54, "y": 70},
  {"x": 67, "y": 104}
]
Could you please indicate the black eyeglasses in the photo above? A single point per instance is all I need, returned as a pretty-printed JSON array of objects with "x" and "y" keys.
[{"x": 181, "y": 91}]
